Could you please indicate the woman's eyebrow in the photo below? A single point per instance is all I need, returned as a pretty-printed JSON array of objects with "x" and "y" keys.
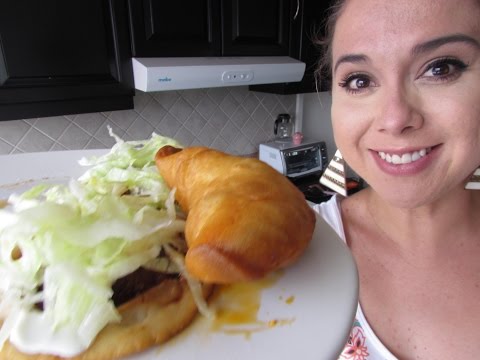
[
  {"x": 350, "y": 58},
  {"x": 436, "y": 43},
  {"x": 417, "y": 49}
]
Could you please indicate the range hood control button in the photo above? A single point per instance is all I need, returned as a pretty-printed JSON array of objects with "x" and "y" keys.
[{"x": 237, "y": 76}]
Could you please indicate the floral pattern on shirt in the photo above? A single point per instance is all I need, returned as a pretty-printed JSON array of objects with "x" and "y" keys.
[{"x": 355, "y": 348}]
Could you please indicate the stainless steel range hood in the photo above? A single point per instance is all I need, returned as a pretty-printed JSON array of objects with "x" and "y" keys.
[{"x": 158, "y": 74}]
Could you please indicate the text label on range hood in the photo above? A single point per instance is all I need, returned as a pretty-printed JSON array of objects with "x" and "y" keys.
[{"x": 158, "y": 74}]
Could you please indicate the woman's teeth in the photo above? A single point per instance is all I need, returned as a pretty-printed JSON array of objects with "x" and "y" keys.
[{"x": 405, "y": 158}]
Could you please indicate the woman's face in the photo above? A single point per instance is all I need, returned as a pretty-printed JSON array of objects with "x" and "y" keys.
[{"x": 406, "y": 95}]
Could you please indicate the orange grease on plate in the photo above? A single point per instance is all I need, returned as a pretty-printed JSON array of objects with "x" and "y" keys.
[
  {"x": 3, "y": 203},
  {"x": 237, "y": 305}
]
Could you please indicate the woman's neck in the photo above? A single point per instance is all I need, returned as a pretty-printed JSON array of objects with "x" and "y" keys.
[{"x": 431, "y": 227}]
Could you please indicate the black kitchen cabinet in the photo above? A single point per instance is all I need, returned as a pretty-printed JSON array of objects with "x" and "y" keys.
[
  {"x": 306, "y": 26},
  {"x": 256, "y": 28},
  {"x": 175, "y": 28},
  {"x": 64, "y": 57},
  {"x": 183, "y": 28}
]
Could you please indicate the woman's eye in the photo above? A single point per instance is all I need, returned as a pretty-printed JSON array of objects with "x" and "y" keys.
[
  {"x": 356, "y": 83},
  {"x": 359, "y": 83},
  {"x": 444, "y": 69}
]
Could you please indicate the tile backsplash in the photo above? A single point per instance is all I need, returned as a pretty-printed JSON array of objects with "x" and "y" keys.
[{"x": 233, "y": 119}]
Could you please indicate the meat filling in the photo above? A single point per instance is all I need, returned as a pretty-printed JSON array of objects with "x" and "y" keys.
[
  {"x": 131, "y": 285},
  {"x": 135, "y": 283}
]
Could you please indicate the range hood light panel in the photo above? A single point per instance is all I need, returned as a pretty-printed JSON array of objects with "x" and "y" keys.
[{"x": 159, "y": 74}]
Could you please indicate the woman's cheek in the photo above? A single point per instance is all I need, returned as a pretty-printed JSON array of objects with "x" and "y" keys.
[
  {"x": 347, "y": 131},
  {"x": 349, "y": 135}
]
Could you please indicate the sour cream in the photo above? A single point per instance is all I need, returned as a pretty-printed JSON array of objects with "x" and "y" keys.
[{"x": 32, "y": 334}]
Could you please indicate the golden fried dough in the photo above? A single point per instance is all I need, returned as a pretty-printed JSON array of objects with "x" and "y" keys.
[
  {"x": 149, "y": 319},
  {"x": 244, "y": 218}
]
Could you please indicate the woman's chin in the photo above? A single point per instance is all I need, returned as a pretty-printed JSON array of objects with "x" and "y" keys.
[{"x": 405, "y": 198}]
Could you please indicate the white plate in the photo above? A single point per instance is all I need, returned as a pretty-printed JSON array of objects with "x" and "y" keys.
[{"x": 314, "y": 301}]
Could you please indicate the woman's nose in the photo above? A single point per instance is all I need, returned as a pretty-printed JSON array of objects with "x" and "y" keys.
[{"x": 400, "y": 112}]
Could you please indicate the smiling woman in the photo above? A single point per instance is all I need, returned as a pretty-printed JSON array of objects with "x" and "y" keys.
[{"x": 406, "y": 118}]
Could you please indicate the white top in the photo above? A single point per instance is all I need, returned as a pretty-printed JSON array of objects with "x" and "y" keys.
[{"x": 362, "y": 344}]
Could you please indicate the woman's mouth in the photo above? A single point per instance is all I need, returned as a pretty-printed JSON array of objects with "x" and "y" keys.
[
  {"x": 405, "y": 162},
  {"x": 404, "y": 158}
]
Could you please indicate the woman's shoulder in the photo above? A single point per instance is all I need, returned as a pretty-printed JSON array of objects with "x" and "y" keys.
[
  {"x": 339, "y": 211},
  {"x": 338, "y": 206}
]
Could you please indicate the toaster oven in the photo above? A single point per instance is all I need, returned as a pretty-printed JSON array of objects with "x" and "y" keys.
[{"x": 291, "y": 160}]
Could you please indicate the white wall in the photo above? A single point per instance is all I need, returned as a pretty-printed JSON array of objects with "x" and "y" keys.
[{"x": 316, "y": 121}]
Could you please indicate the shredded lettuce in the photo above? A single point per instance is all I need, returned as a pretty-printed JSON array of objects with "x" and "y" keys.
[
  {"x": 66, "y": 286},
  {"x": 64, "y": 245},
  {"x": 194, "y": 285},
  {"x": 129, "y": 166}
]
